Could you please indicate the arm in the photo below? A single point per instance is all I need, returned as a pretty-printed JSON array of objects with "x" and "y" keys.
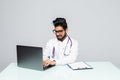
[{"x": 47, "y": 55}]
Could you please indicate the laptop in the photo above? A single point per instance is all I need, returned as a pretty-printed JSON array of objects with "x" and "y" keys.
[{"x": 30, "y": 57}]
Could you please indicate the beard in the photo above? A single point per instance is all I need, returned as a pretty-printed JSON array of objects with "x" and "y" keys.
[{"x": 60, "y": 38}]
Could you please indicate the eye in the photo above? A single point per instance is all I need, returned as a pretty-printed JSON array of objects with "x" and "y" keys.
[{"x": 58, "y": 31}]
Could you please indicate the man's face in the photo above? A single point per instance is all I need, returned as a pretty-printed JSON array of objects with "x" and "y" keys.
[{"x": 60, "y": 33}]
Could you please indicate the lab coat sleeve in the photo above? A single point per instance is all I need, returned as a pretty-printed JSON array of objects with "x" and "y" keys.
[
  {"x": 70, "y": 58},
  {"x": 46, "y": 51}
]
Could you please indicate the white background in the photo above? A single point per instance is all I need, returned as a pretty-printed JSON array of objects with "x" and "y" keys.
[{"x": 94, "y": 23}]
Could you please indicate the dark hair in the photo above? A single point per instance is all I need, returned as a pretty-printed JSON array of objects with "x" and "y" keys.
[{"x": 60, "y": 22}]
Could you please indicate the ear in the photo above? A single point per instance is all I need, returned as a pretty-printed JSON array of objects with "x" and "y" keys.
[{"x": 66, "y": 30}]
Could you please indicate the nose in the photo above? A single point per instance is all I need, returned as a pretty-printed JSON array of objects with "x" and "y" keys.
[{"x": 57, "y": 33}]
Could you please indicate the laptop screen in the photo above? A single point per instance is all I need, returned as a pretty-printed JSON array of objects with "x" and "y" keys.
[{"x": 30, "y": 57}]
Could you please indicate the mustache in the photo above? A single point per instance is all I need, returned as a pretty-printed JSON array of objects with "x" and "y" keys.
[
  {"x": 62, "y": 37},
  {"x": 58, "y": 35}
]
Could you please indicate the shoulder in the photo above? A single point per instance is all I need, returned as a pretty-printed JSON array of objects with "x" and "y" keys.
[
  {"x": 74, "y": 41},
  {"x": 53, "y": 40}
]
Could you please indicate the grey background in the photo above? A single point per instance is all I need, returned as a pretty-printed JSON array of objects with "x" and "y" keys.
[{"x": 94, "y": 23}]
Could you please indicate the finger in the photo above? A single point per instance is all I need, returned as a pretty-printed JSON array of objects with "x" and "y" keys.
[{"x": 46, "y": 64}]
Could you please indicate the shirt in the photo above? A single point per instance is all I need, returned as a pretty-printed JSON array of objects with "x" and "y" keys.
[{"x": 63, "y": 52}]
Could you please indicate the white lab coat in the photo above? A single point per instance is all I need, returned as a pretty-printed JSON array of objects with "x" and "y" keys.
[{"x": 61, "y": 55}]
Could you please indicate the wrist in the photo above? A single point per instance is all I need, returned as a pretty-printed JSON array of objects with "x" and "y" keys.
[{"x": 54, "y": 62}]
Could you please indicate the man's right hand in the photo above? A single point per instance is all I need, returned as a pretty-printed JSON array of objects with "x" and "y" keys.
[{"x": 48, "y": 62}]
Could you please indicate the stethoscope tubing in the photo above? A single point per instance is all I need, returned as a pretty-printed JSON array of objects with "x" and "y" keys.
[{"x": 53, "y": 51}]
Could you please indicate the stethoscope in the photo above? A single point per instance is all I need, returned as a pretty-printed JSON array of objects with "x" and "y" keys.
[{"x": 69, "y": 41}]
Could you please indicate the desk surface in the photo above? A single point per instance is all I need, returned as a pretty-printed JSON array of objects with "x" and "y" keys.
[{"x": 101, "y": 71}]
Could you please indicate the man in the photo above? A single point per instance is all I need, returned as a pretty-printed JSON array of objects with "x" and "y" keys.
[{"x": 63, "y": 49}]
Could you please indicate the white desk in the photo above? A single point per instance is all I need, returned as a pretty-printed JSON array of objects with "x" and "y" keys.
[{"x": 101, "y": 71}]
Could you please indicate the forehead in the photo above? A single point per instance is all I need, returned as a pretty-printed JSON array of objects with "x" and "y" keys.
[{"x": 58, "y": 28}]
